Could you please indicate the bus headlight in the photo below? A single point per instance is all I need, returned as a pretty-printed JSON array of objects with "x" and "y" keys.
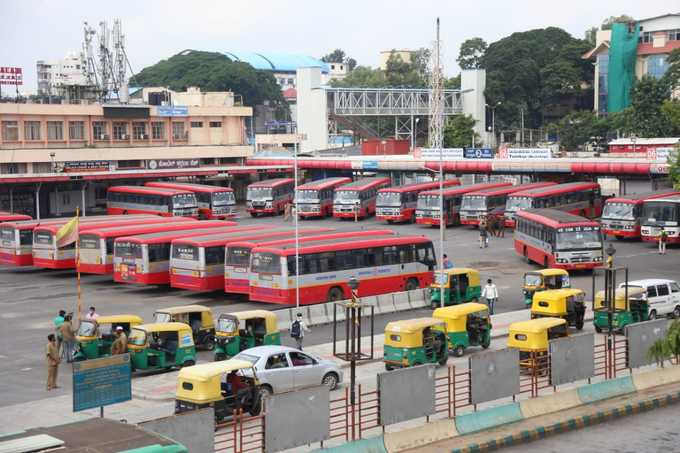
[
  {"x": 268, "y": 205},
  {"x": 561, "y": 260},
  {"x": 598, "y": 259}
]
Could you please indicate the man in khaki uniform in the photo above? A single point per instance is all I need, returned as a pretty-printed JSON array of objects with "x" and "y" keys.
[
  {"x": 68, "y": 338},
  {"x": 52, "y": 353},
  {"x": 119, "y": 346}
]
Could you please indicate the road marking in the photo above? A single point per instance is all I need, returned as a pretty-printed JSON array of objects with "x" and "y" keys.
[{"x": 26, "y": 369}]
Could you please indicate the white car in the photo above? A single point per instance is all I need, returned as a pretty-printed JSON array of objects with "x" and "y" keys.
[
  {"x": 282, "y": 369},
  {"x": 663, "y": 296}
]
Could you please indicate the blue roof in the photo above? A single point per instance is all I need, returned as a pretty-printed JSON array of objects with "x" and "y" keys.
[{"x": 277, "y": 62}]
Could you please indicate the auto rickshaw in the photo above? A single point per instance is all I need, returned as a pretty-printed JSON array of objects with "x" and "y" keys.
[
  {"x": 95, "y": 337},
  {"x": 238, "y": 331},
  {"x": 625, "y": 312},
  {"x": 161, "y": 345},
  {"x": 542, "y": 280},
  {"x": 567, "y": 303},
  {"x": 412, "y": 342},
  {"x": 460, "y": 284},
  {"x": 532, "y": 339},
  {"x": 226, "y": 386},
  {"x": 466, "y": 325},
  {"x": 199, "y": 317}
]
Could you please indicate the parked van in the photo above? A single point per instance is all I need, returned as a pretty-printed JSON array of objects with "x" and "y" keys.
[{"x": 663, "y": 296}]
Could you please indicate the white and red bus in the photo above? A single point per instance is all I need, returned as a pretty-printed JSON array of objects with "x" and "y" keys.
[
  {"x": 398, "y": 204},
  {"x": 145, "y": 258},
  {"x": 96, "y": 246},
  {"x": 554, "y": 238},
  {"x": 214, "y": 202},
  {"x": 46, "y": 253},
  {"x": 12, "y": 217},
  {"x": 382, "y": 265},
  {"x": 427, "y": 209},
  {"x": 269, "y": 196},
  {"x": 315, "y": 198},
  {"x": 358, "y": 198},
  {"x": 197, "y": 263},
  {"x": 661, "y": 214},
  {"x": 580, "y": 198},
  {"x": 237, "y": 255},
  {"x": 621, "y": 215},
  {"x": 151, "y": 200},
  {"x": 478, "y": 205}
]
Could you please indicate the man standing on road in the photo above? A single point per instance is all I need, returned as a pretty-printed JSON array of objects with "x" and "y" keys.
[
  {"x": 663, "y": 238},
  {"x": 58, "y": 321},
  {"x": 298, "y": 329},
  {"x": 119, "y": 345},
  {"x": 52, "y": 354},
  {"x": 447, "y": 262},
  {"x": 483, "y": 236},
  {"x": 490, "y": 293},
  {"x": 68, "y": 337}
]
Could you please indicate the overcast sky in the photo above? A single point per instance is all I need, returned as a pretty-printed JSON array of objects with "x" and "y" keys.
[{"x": 156, "y": 29}]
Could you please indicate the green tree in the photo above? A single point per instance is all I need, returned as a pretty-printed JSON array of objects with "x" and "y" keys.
[
  {"x": 453, "y": 83},
  {"x": 672, "y": 75},
  {"x": 647, "y": 97},
  {"x": 579, "y": 128},
  {"x": 458, "y": 131},
  {"x": 339, "y": 56},
  {"x": 671, "y": 111},
  {"x": 674, "y": 171},
  {"x": 471, "y": 53}
]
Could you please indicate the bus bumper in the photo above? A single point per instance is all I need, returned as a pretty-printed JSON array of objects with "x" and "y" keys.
[
  {"x": 236, "y": 285},
  {"x": 89, "y": 268},
  {"x": 16, "y": 260},
  {"x": 46, "y": 263}
]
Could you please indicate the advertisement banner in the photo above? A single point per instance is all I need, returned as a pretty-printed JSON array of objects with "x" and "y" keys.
[
  {"x": 173, "y": 163},
  {"x": 11, "y": 76},
  {"x": 172, "y": 110},
  {"x": 661, "y": 154},
  {"x": 447, "y": 154},
  {"x": 84, "y": 165},
  {"x": 524, "y": 153},
  {"x": 478, "y": 153}
]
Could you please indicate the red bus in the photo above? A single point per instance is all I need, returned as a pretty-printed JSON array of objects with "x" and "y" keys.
[
  {"x": 580, "y": 198},
  {"x": 482, "y": 203},
  {"x": 237, "y": 255},
  {"x": 197, "y": 263},
  {"x": 554, "y": 238},
  {"x": 398, "y": 204},
  {"x": 11, "y": 217},
  {"x": 382, "y": 265},
  {"x": 315, "y": 198},
  {"x": 214, "y": 202},
  {"x": 151, "y": 200},
  {"x": 145, "y": 258},
  {"x": 621, "y": 215},
  {"x": 96, "y": 246},
  {"x": 427, "y": 209},
  {"x": 661, "y": 214},
  {"x": 270, "y": 196},
  {"x": 358, "y": 197},
  {"x": 47, "y": 255}
]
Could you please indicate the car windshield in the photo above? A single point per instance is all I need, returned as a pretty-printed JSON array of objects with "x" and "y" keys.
[
  {"x": 579, "y": 240},
  {"x": 516, "y": 203},
  {"x": 442, "y": 278},
  {"x": 185, "y": 200},
  {"x": 306, "y": 196},
  {"x": 618, "y": 211},
  {"x": 532, "y": 280},
  {"x": 161, "y": 317},
  {"x": 428, "y": 202},
  {"x": 238, "y": 256},
  {"x": 128, "y": 249},
  {"x": 389, "y": 199},
  {"x": 346, "y": 196},
  {"x": 659, "y": 211},
  {"x": 227, "y": 325},
  {"x": 86, "y": 328},
  {"x": 259, "y": 193},
  {"x": 266, "y": 263},
  {"x": 476, "y": 203},
  {"x": 247, "y": 357},
  {"x": 223, "y": 198}
]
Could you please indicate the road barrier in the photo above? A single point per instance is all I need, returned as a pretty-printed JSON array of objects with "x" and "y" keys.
[{"x": 488, "y": 418}]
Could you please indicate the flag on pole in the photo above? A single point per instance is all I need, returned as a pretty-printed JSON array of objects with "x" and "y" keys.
[{"x": 68, "y": 233}]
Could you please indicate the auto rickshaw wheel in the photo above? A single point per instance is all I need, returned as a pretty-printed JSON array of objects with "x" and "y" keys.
[
  {"x": 676, "y": 312},
  {"x": 188, "y": 363},
  {"x": 210, "y": 343},
  {"x": 459, "y": 350},
  {"x": 220, "y": 356},
  {"x": 598, "y": 329}
]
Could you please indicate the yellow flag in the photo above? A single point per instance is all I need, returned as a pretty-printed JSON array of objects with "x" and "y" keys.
[{"x": 68, "y": 233}]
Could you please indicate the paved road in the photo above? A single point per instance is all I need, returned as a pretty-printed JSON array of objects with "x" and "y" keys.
[
  {"x": 654, "y": 431},
  {"x": 30, "y": 298}
]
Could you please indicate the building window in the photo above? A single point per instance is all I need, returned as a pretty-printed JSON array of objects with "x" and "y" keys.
[
  {"x": 657, "y": 66},
  {"x": 76, "y": 130},
  {"x": 100, "y": 131},
  {"x": 196, "y": 124},
  {"x": 674, "y": 35},
  {"x": 216, "y": 124},
  {"x": 31, "y": 130},
  {"x": 646, "y": 37},
  {"x": 10, "y": 131},
  {"x": 120, "y": 131},
  {"x": 139, "y": 131},
  {"x": 158, "y": 131},
  {"x": 602, "y": 74},
  {"x": 178, "y": 131},
  {"x": 55, "y": 130}
]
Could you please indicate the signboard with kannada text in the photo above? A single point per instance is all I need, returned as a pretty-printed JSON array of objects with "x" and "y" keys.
[
  {"x": 101, "y": 382},
  {"x": 478, "y": 153},
  {"x": 369, "y": 165},
  {"x": 173, "y": 163},
  {"x": 11, "y": 76},
  {"x": 172, "y": 110},
  {"x": 524, "y": 153},
  {"x": 446, "y": 153}
]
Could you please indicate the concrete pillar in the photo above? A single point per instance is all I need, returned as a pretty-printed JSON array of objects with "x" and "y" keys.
[
  {"x": 37, "y": 201},
  {"x": 57, "y": 205},
  {"x": 83, "y": 205},
  {"x": 312, "y": 110},
  {"x": 11, "y": 200},
  {"x": 473, "y": 83}
]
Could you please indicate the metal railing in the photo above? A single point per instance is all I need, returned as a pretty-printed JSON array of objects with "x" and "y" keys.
[{"x": 241, "y": 434}]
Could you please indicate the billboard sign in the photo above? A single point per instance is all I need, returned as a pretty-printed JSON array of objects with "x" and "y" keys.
[
  {"x": 524, "y": 153},
  {"x": 172, "y": 110},
  {"x": 101, "y": 382},
  {"x": 661, "y": 154},
  {"x": 478, "y": 153},
  {"x": 447, "y": 153},
  {"x": 11, "y": 76},
  {"x": 161, "y": 164},
  {"x": 369, "y": 165}
]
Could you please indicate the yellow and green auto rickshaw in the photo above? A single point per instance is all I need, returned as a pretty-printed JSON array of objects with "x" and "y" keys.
[
  {"x": 544, "y": 279},
  {"x": 412, "y": 342},
  {"x": 460, "y": 285},
  {"x": 241, "y": 330},
  {"x": 566, "y": 303},
  {"x": 199, "y": 317},
  {"x": 466, "y": 325},
  {"x": 96, "y": 337},
  {"x": 161, "y": 345},
  {"x": 227, "y": 386},
  {"x": 532, "y": 339},
  {"x": 626, "y": 311}
]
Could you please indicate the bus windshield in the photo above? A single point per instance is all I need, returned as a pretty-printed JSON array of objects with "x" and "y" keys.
[
  {"x": 389, "y": 199},
  {"x": 238, "y": 256},
  {"x": 618, "y": 211},
  {"x": 428, "y": 202},
  {"x": 660, "y": 212},
  {"x": 346, "y": 196},
  {"x": 43, "y": 237},
  {"x": 517, "y": 203},
  {"x": 307, "y": 196},
  {"x": 129, "y": 249},
  {"x": 223, "y": 198},
  {"x": 7, "y": 234},
  {"x": 266, "y": 263},
  {"x": 476, "y": 203},
  {"x": 259, "y": 193},
  {"x": 579, "y": 240},
  {"x": 89, "y": 241},
  {"x": 185, "y": 200},
  {"x": 185, "y": 252}
]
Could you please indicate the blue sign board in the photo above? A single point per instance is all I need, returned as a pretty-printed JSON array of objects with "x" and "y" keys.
[
  {"x": 369, "y": 165},
  {"x": 101, "y": 382},
  {"x": 478, "y": 153},
  {"x": 172, "y": 110}
]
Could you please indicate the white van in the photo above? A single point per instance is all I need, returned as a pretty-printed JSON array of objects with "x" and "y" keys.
[{"x": 663, "y": 296}]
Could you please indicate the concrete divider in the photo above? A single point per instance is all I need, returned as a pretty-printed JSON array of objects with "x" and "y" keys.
[
  {"x": 318, "y": 314},
  {"x": 284, "y": 318},
  {"x": 488, "y": 418},
  {"x": 401, "y": 301},
  {"x": 660, "y": 376},
  {"x": 386, "y": 303},
  {"x": 419, "y": 436},
  {"x": 547, "y": 404},
  {"x": 417, "y": 298},
  {"x": 372, "y": 445},
  {"x": 606, "y": 389}
]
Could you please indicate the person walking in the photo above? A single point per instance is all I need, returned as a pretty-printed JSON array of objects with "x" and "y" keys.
[
  {"x": 92, "y": 314},
  {"x": 501, "y": 226},
  {"x": 298, "y": 329},
  {"x": 287, "y": 212},
  {"x": 119, "y": 345},
  {"x": 53, "y": 360},
  {"x": 68, "y": 338},
  {"x": 663, "y": 238},
  {"x": 483, "y": 236},
  {"x": 58, "y": 321},
  {"x": 448, "y": 264},
  {"x": 490, "y": 293}
]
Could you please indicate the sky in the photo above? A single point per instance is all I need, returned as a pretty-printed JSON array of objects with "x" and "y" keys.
[{"x": 157, "y": 29}]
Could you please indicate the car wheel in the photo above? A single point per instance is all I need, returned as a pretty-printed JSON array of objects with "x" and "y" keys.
[
  {"x": 652, "y": 314},
  {"x": 265, "y": 392},
  {"x": 598, "y": 329},
  {"x": 330, "y": 380}
]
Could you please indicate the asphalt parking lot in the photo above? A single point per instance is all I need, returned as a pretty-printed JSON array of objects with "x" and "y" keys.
[{"x": 30, "y": 298}]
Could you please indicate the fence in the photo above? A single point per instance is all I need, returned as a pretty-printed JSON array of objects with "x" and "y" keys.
[{"x": 241, "y": 434}]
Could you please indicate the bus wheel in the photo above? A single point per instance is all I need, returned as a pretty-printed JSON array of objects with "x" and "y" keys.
[
  {"x": 125, "y": 212},
  {"x": 545, "y": 262},
  {"x": 335, "y": 294},
  {"x": 411, "y": 284},
  {"x": 526, "y": 255}
]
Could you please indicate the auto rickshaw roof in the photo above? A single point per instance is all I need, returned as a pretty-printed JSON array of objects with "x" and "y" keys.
[
  {"x": 458, "y": 311},
  {"x": 633, "y": 291},
  {"x": 549, "y": 272},
  {"x": 552, "y": 294},
  {"x": 207, "y": 371},
  {"x": 250, "y": 314},
  {"x": 163, "y": 327},
  {"x": 536, "y": 325},
  {"x": 115, "y": 319},
  {"x": 461, "y": 270},
  {"x": 183, "y": 309},
  {"x": 412, "y": 325}
]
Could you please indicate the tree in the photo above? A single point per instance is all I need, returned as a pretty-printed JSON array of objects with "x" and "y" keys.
[
  {"x": 351, "y": 64},
  {"x": 579, "y": 128},
  {"x": 611, "y": 20},
  {"x": 647, "y": 97},
  {"x": 670, "y": 109},
  {"x": 674, "y": 171},
  {"x": 337, "y": 56},
  {"x": 471, "y": 53},
  {"x": 672, "y": 75},
  {"x": 458, "y": 131},
  {"x": 453, "y": 83}
]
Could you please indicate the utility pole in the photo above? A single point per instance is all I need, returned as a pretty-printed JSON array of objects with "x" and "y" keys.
[{"x": 521, "y": 134}]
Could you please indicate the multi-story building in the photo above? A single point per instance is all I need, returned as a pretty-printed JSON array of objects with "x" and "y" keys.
[
  {"x": 61, "y": 77},
  {"x": 405, "y": 55}
]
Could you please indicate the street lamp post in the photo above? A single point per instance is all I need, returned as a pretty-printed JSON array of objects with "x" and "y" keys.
[
  {"x": 296, "y": 219},
  {"x": 493, "y": 120},
  {"x": 414, "y": 133}
]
